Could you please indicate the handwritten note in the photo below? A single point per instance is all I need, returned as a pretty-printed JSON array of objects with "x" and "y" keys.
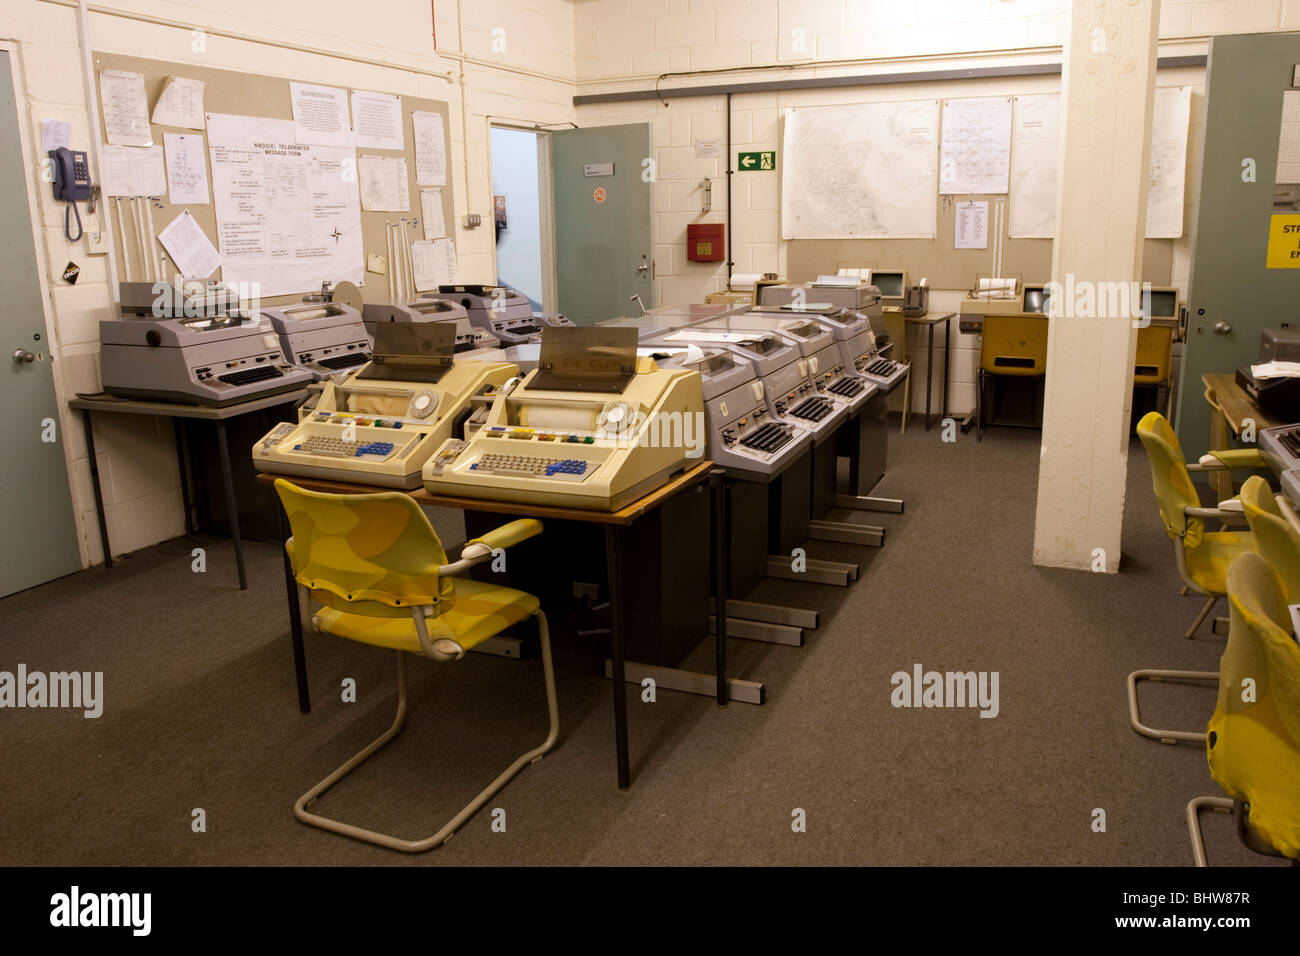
[
  {"x": 126, "y": 111},
  {"x": 430, "y": 149},
  {"x": 187, "y": 168},
  {"x": 383, "y": 182},
  {"x": 132, "y": 171},
  {"x": 180, "y": 104},
  {"x": 435, "y": 226}
]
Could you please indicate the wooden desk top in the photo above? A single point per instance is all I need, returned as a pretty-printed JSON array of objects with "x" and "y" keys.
[
  {"x": 1237, "y": 406},
  {"x": 132, "y": 406},
  {"x": 692, "y": 476}
]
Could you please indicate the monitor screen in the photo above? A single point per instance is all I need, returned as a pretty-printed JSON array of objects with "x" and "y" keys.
[
  {"x": 1036, "y": 300},
  {"x": 889, "y": 283},
  {"x": 1160, "y": 303}
]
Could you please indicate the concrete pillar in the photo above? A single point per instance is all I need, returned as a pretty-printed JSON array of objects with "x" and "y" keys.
[{"x": 1108, "y": 84}]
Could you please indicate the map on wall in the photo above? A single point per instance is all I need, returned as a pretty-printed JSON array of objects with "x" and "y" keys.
[
  {"x": 866, "y": 171},
  {"x": 975, "y": 150},
  {"x": 1035, "y": 146}
]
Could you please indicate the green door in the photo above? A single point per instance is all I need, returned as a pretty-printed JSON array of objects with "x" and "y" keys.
[
  {"x": 39, "y": 537},
  {"x": 1232, "y": 295},
  {"x": 603, "y": 244}
]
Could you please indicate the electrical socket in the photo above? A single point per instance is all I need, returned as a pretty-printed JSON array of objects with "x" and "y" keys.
[
  {"x": 587, "y": 593},
  {"x": 97, "y": 243},
  {"x": 473, "y": 220}
]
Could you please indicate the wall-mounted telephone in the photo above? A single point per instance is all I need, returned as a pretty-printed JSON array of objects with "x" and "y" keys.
[{"x": 71, "y": 183}]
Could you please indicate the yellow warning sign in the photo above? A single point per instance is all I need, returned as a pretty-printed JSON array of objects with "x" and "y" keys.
[{"x": 1284, "y": 241}]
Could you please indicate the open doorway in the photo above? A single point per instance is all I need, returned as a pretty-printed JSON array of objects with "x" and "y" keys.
[{"x": 521, "y": 214}]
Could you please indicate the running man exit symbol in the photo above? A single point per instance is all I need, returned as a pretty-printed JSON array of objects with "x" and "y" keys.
[{"x": 757, "y": 161}]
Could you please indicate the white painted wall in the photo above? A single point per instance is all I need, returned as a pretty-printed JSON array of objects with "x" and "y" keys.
[
  {"x": 523, "y": 71},
  {"x": 514, "y": 176}
]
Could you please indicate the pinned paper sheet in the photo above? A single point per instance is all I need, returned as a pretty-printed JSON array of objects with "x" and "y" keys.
[
  {"x": 55, "y": 134},
  {"x": 435, "y": 226},
  {"x": 971, "y": 226},
  {"x": 187, "y": 168},
  {"x": 430, "y": 149},
  {"x": 427, "y": 265},
  {"x": 320, "y": 115},
  {"x": 133, "y": 171},
  {"x": 190, "y": 247},
  {"x": 383, "y": 182},
  {"x": 126, "y": 111},
  {"x": 377, "y": 120},
  {"x": 180, "y": 103}
]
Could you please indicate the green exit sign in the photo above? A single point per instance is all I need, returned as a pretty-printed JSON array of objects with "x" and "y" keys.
[{"x": 756, "y": 162}]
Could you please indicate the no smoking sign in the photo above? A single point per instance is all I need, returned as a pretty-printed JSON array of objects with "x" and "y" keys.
[{"x": 599, "y": 194}]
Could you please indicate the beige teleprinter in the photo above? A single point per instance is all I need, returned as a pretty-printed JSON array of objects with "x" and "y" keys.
[
  {"x": 592, "y": 427},
  {"x": 380, "y": 424}
]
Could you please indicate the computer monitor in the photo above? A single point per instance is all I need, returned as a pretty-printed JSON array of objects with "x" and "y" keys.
[
  {"x": 1035, "y": 300},
  {"x": 1160, "y": 303},
  {"x": 892, "y": 283}
]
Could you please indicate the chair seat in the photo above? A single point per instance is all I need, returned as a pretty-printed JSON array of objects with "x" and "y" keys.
[
  {"x": 1207, "y": 563},
  {"x": 1253, "y": 762},
  {"x": 479, "y": 612}
]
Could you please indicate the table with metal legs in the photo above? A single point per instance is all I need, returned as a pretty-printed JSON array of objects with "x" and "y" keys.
[
  {"x": 930, "y": 320},
  {"x": 86, "y": 404}
]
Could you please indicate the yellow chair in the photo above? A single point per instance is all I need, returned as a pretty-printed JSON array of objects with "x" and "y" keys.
[
  {"x": 1254, "y": 736},
  {"x": 376, "y": 566},
  {"x": 1277, "y": 542},
  {"x": 1202, "y": 556},
  {"x": 1010, "y": 345}
]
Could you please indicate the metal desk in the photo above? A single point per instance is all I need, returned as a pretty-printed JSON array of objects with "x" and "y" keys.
[
  {"x": 930, "y": 320},
  {"x": 612, "y": 521},
  {"x": 175, "y": 411}
]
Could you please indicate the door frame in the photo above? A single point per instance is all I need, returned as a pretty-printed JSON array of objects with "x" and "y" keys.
[
  {"x": 545, "y": 206},
  {"x": 66, "y": 419}
]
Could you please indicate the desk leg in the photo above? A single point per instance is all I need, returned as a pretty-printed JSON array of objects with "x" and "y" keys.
[
  {"x": 947, "y": 358},
  {"x": 183, "y": 462},
  {"x": 929, "y": 372},
  {"x": 295, "y": 620},
  {"x": 721, "y": 575},
  {"x": 232, "y": 508},
  {"x": 94, "y": 482},
  {"x": 613, "y": 562}
]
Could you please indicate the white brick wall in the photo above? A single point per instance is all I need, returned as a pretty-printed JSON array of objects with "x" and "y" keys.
[
  {"x": 526, "y": 59},
  {"x": 945, "y": 33}
]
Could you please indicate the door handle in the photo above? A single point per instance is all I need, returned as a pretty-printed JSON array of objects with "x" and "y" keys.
[
  {"x": 1222, "y": 328},
  {"x": 643, "y": 268},
  {"x": 24, "y": 357}
]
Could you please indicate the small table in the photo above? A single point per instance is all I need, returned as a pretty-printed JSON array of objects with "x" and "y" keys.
[
  {"x": 930, "y": 320},
  {"x": 613, "y": 523},
  {"x": 1230, "y": 408},
  {"x": 176, "y": 411}
]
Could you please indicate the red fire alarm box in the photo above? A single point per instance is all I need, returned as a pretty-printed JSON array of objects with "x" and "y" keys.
[{"x": 704, "y": 241}]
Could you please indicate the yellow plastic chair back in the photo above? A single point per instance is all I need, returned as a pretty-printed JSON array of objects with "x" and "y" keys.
[
  {"x": 1170, "y": 478},
  {"x": 1151, "y": 361},
  {"x": 1253, "y": 744},
  {"x": 1014, "y": 345},
  {"x": 373, "y": 554},
  {"x": 1275, "y": 540}
]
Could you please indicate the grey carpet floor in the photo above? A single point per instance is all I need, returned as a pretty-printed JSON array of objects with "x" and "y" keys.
[{"x": 200, "y": 713}]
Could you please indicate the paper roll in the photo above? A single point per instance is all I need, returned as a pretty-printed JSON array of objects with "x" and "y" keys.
[{"x": 744, "y": 280}]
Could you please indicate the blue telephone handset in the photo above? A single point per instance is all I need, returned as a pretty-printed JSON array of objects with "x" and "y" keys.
[{"x": 71, "y": 183}]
